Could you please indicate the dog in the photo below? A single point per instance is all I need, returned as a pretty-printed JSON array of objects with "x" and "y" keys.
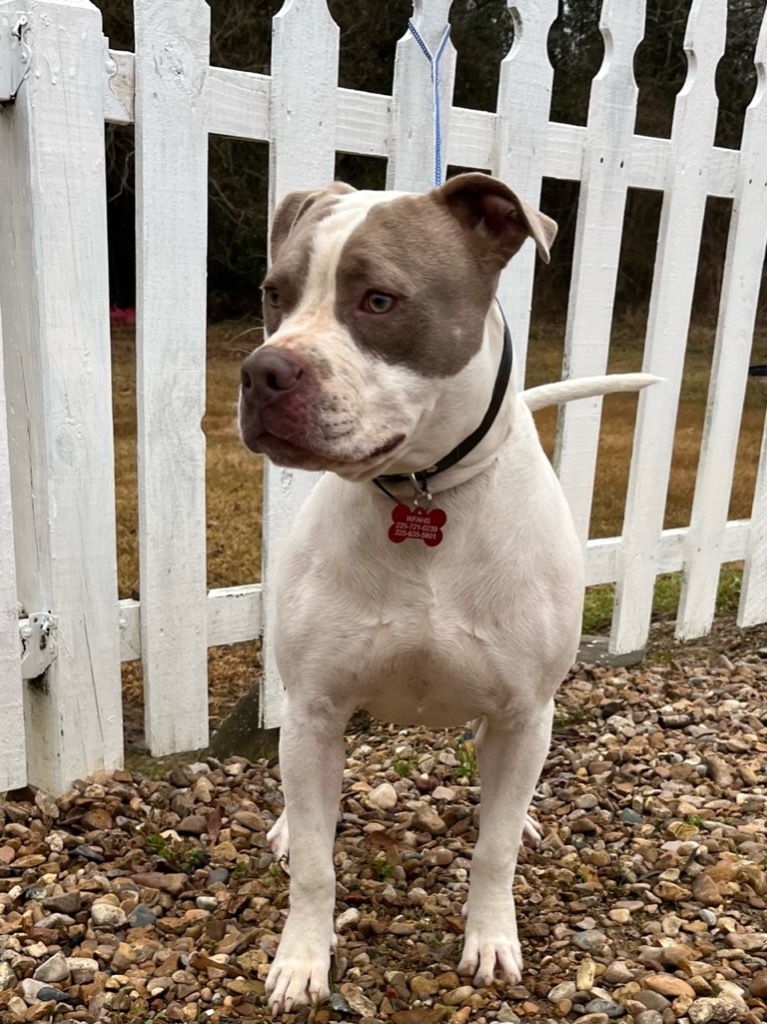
[{"x": 434, "y": 575}]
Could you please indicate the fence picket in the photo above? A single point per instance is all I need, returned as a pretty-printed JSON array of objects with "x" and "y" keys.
[
  {"x": 53, "y": 293},
  {"x": 411, "y": 157},
  {"x": 171, "y": 230},
  {"x": 681, "y": 223},
  {"x": 604, "y": 180},
  {"x": 732, "y": 350},
  {"x": 304, "y": 100},
  {"x": 752, "y": 608},
  {"x": 521, "y": 138},
  {"x": 12, "y": 753}
]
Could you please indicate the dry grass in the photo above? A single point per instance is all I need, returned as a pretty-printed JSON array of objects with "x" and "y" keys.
[
  {"x": 616, "y": 438},
  {"x": 234, "y": 476}
]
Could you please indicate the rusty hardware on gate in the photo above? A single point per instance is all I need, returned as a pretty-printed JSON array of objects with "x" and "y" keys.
[
  {"x": 38, "y": 644},
  {"x": 14, "y": 55}
]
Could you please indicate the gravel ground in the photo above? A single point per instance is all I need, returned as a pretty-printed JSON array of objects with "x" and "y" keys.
[{"x": 135, "y": 899}]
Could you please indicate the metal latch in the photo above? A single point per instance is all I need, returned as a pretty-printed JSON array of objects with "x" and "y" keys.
[
  {"x": 38, "y": 644},
  {"x": 14, "y": 55}
]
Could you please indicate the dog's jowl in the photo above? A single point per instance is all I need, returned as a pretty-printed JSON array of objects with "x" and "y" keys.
[{"x": 387, "y": 364}]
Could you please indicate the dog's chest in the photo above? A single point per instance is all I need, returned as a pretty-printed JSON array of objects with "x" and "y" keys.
[{"x": 413, "y": 635}]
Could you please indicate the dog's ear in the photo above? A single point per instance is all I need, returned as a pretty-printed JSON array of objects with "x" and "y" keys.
[
  {"x": 489, "y": 209},
  {"x": 293, "y": 207}
]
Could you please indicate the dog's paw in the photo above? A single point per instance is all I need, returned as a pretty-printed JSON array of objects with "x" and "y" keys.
[
  {"x": 531, "y": 832},
  {"x": 491, "y": 950},
  {"x": 298, "y": 976},
  {"x": 278, "y": 838}
]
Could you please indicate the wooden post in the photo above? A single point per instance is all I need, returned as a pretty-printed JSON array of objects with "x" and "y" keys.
[
  {"x": 171, "y": 110},
  {"x": 13, "y": 767},
  {"x": 743, "y": 270},
  {"x": 304, "y": 100},
  {"x": 520, "y": 143},
  {"x": 684, "y": 205},
  {"x": 55, "y": 301},
  {"x": 598, "y": 233}
]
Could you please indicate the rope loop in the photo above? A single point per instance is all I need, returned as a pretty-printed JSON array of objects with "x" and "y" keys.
[{"x": 434, "y": 60}]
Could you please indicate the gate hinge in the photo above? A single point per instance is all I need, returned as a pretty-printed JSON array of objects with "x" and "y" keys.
[
  {"x": 14, "y": 55},
  {"x": 38, "y": 644}
]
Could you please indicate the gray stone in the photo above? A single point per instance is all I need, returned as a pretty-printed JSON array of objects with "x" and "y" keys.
[
  {"x": 565, "y": 990},
  {"x": 47, "y": 804},
  {"x": 713, "y": 1011},
  {"x": 141, "y": 916},
  {"x": 630, "y": 817},
  {"x": 648, "y": 1017},
  {"x": 52, "y": 970},
  {"x": 383, "y": 797},
  {"x": 51, "y": 992},
  {"x": 618, "y": 973},
  {"x": 29, "y": 990},
  {"x": 8, "y": 977},
  {"x": 82, "y": 969},
  {"x": 105, "y": 915},
  {"x": 218, "y": 875},
  {"x": 608, "y": 1006},
  {"x": 348, "y": 919},
  {"x": 589, "y": 940}
]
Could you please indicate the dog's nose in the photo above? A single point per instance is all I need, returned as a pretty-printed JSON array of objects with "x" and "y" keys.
[{"x": 269, "y": 373}]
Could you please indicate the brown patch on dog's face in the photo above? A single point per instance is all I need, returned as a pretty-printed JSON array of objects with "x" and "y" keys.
[
  {"x": 413, "y": 250},
  {"x": 434, "y": 260}
]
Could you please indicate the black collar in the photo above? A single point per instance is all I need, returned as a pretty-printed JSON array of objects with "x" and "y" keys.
[{"x": 469, "y": 443}]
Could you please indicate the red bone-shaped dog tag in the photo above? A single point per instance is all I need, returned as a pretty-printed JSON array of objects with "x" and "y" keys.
[{"x": 417, "y": 523}]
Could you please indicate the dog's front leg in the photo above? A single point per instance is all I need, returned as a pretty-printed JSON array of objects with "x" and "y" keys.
[
  {"x": 510, "y": 760},
  {"x": 311, "y": 763}
]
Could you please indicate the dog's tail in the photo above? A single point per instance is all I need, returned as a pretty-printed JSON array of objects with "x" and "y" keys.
[{"x": 585, "y": 387}]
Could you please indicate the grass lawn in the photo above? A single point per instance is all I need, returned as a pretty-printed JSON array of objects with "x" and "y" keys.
[{"x": 234, "y": 475}]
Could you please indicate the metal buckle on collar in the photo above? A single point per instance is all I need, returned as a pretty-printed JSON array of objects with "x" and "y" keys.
[{"x": 423, "y": 498}]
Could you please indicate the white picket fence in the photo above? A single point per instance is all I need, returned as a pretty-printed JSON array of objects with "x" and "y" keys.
[{"x": 61, "y": 711}]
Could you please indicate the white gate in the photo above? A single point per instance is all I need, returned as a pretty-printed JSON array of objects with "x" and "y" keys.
[{"x": 55, "y": 64}]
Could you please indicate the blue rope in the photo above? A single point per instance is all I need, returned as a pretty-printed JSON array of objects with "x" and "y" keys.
[{"x": 434, "y": 60}]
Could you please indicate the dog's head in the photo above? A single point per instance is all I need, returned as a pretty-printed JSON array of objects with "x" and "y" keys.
[{"x": 376, "y": 357}]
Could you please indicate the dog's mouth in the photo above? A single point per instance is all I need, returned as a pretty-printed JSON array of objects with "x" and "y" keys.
[{"x": 310, "y": 456}]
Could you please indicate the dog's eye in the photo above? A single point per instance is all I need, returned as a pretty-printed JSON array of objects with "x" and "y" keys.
[
  {"x": 377, "y": 302},
  {"x": 272, "y": 297}
]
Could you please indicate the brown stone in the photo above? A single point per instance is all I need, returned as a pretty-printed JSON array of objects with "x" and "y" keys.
[
  {"x": 98, "y": 820},
  {"x": 706, "y": 891},
  {"x": 174, "y": 884},
  {"x": 668, "y": 985}
]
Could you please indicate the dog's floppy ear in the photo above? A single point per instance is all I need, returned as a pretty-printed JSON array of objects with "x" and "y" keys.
[
  {"x": 492, "y": 211},
  {"x": 292, "y": 208}
]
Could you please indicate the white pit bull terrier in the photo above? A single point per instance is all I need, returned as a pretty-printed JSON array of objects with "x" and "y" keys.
[{"x": 387, "y": 356}]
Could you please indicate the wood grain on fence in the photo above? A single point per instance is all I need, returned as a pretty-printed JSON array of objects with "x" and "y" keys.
[
  {"x": 301, "y": 155},
  {"x": 171, "y": 110},
  {"x": 681, "y": 223},
  {"x": 12, "y": 748},
  {"x": 54, "y": 297},
  {"x": 599, "y": 229},
  {"x": 521, "y": 133}
]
